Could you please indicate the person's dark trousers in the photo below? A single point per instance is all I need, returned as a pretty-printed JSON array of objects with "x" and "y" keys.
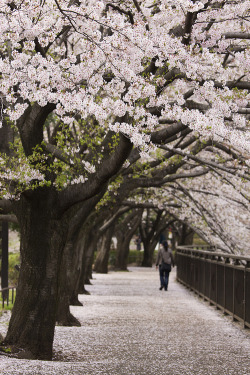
[{"x": 164, "y": 276}]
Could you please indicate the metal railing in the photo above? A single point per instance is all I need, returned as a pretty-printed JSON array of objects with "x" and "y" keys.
[
  {"x": 220, "y": 278},
  {"x": 7, "y": 297}
]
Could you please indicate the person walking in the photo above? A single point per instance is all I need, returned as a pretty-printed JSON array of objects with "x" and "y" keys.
[{"x": 165, "y": 261}]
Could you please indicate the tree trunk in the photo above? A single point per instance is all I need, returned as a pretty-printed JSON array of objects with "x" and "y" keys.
[
  {"x": 148, "y": 253},
  {"x": 102, "y": 257},
  {"x": 88, "y": 244},
  {"x": 89, "y": 260},
  {"x": 67, "y": 275},
  {"x": 6, "y": 137},
  {"x": 187, "y": 235},
  {"x": 121, "y": 262},
  {"x": 33, "y": 317},
  {"x": 124, "y": 234},
  {"x": 74, "y": 260}
]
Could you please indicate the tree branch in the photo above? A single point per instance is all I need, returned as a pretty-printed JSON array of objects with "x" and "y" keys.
[
  {"x": 109, "y": 167},
  {"x": 122, "y": 11},
  {"x": 9, "y": 218},
  {"x": 205, "y": 162},
  {"x": 108, "y": 223},
  {"x": 237, "y": 35}
]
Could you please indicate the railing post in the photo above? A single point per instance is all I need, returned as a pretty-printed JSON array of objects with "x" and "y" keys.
[
  {"x": 245, "y": 292},
  {"x": 227, "y": 261},
  {"x": 233, "y": 293},
  {"x": 210, "y": 279},
  {"x": 5, "y": 257},
  {"x": 236, "y": 262}
]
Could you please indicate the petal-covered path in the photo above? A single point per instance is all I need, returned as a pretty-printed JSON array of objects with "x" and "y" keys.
[{"x": 131, "y": 327}]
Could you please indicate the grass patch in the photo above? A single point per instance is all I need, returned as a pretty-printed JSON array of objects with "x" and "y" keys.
[
  {"x": 14, "y": 259},
  {"x": 10, "y": 304},
  {"x": 198, "y": 241}
]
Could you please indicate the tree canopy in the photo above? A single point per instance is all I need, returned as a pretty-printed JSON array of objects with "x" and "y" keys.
[
  {"x": 131, "y": 67},
  {"x": 111, "y": 101}
]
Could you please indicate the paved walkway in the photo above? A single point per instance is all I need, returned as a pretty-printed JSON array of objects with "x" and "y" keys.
[{"x": 129, "y": 327}]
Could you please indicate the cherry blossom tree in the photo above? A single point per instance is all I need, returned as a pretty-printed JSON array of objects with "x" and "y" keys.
[
  {"x": 81, "y": 83},
  {"x": 215, "y": 204}
]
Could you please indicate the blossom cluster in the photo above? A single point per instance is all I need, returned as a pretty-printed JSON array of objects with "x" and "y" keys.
[
  {"x": 129, "y": 68},
  {"x": 36, "y": 67}
]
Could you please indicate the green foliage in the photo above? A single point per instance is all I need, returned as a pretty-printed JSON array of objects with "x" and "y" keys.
[
  {"x": 8, "y": 306},
  {"x": 176, "y": 159},
  {"x": 6, "y": 349},
  {"x": 79, "y": 150},
  {"x": 111, "y": 193},
  {"x": 198, "y": 241},
  {"x": 135, "y": 256},
  {"x": 14, "y": 259},
  {"x": 142, "y": 169},
  {"x": 14, "y": 227},
  {"x": 20, "y": 172},
  {"x": 13, "y": 273},
  {"x": 115, "y": 142},
  {"x": 112, "y": 257}
]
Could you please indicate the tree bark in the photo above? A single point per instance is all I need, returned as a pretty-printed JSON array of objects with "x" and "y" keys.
[
  {"x": 123, "y": 242},
  {"x": 150, "y": 232},
  {"x": 186, "y": 235},
  {"x": 148, "y": 254},
  {"x": 33, "y": 317},
  {"x": 74, "y": 259},
  {"x": 124, "y": 233},
  {"x": 67, "y": 274},
  {"x": 89, "y": 245},
  {"x": 6, "y": 138},
  {"x": 102, "y": 258}
]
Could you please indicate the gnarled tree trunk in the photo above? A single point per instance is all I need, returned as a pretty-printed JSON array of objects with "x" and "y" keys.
[
  {"x": 42, "y": 240},
  {"x": 75, "y": 257}
]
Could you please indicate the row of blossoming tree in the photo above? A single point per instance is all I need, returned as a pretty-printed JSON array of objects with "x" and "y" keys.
[{"x": 103, "y": 102}]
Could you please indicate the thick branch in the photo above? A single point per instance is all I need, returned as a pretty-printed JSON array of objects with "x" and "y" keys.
[
  {"x": 237, "y": 35},
  {"x": 109, "y": 166},
  {"x": 30, "y": 125},
  {"x": 51, "y": 149},
  {"x": 108, "y": 223},
  {"x": 122, "y": 11},
  {"x": 160, "y": 137},
  {"x": 189, "y": 22},
  {"x": 9, "y": 218},
  {"x": 185, "y": 175},
  {"x": 149, "y": 205}
]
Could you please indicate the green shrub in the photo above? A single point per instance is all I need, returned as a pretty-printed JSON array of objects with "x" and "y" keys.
[
  {"x": 136, "y": 256},
  {"x": 112, "y": 257}
]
